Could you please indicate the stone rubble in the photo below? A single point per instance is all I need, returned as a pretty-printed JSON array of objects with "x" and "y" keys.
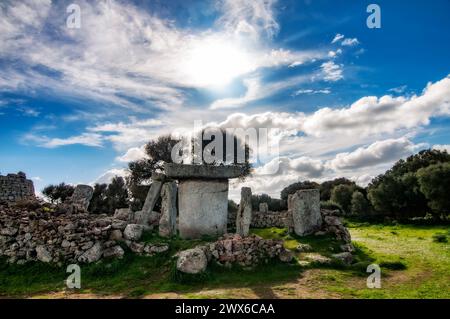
[
  {"x": 244, "y": 251},
  {"x": 49, "y": 235}
]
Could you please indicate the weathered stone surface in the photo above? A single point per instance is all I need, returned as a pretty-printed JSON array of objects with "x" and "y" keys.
[
  {"x": 93, "y": 254},
  {"x": 122, "y": 214},
  {"x": 16, "y": 187},
  {"x": 168, "y": 221},
  {"x": 345, "y": 257},
  {"x": 203, "y": 207},
  {"x": 82, "y": 196},
  {"x": 43, "y": 254},
  {"x": 263, "y": 207},
  {"x": 116, "y": 235},
  {"x": 286, "y": 256},
  {"x": 192, "y": 261},
  {"x": 244, "y": 214},
  {"x": 114, "y": 252},
  {"x": 141, "y": 217},
  {"x": 182, "y": 171},
  {"x": 304, "y": 206},
  {"x": 301, "y": 248},
  {"x": 133, "y": 232},
  {"x": 152, "y": 197}
]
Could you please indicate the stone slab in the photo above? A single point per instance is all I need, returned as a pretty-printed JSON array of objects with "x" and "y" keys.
[
  {"x": 304, "y": 206},
  {"x": 183, "y": 171},
  {"x": 203, "y": 207}
]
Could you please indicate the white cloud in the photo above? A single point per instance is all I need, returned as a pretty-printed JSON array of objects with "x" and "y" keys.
[
  {"x": 132, "y": 154},
  {"x": 87, "y": 139},
  {"x": 93, "y": 64},
  {"x": 106, "y": 177},
  {"x": 399, "y": 89},
  {"x": 442, "y": 147},
  {"x": 350, "y": 42},
  {"x": 310, "y": 91},
  {"x": 380, "y": 152},
  {"x": 331, "y": 71},
  {"x": 338, "y": 37}
]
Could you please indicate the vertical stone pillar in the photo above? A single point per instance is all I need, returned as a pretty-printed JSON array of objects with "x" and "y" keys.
[
  {"x": 203, "y": 207},
  {"x": 82, "y": 196},
  {"x": 263, "y": 207},
  {"x": 152, "y": 197},
  {"x": 304, "y": 206},
  {"x": 168, "y": 221},
  {"x": 244, "y": 214}
]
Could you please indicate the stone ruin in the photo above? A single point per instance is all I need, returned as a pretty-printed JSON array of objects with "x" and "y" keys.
[
  {"x": 195, "y": 206},
  {"x": 16, "y": 187}
]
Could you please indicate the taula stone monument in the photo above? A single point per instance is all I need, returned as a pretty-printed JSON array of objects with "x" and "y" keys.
[
  {"x": 304, "y": 206},
  {"x": 202, "y": 197}
]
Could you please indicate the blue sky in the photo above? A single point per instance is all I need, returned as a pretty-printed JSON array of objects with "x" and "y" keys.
[{"x": 344, "y": 100}]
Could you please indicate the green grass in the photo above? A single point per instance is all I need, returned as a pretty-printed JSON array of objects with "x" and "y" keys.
[{"x": 413, "y": 266}]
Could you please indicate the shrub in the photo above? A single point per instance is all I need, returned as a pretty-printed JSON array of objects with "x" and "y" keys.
[
  {"x": 342, "y": 195},
  {"x": 440, "y": 238}
]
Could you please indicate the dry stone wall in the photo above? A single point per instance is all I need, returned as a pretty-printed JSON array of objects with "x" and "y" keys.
[{"x": 15, "y": 187}]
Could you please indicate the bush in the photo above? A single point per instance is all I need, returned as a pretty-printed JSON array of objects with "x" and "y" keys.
[
  {"x": 58, "y": 193},
  {"x": 434, "y": 182},
  {"x": 440, "y": 238},
  {"x": 342, "y": 195},
  {"x": 360, "y": 206}
]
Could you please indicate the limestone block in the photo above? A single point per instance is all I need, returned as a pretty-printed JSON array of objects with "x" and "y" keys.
[
  {"x": 244, "y": 214},
  {"x": 182, "y": 171},
  {"x": 152, "y": 197},
  {"x": 192, "y": 261},
  {"x": 167, "y": 223},
  {"x": 263, "y": 207},
  {"x": 203, "y": 207},
  {"x": 304, "y": 206},
  {"x": 82, "y": 196}
]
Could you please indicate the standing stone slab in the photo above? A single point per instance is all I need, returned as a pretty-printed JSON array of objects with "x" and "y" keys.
[
  {"x": 168, "y": 221},
  {"x": 263, "y": 207},
  {"x": 152, "y": 197},
  {"x": 304, "y": 206},
  {"x": 82, "y": 196},
  {"x": 203, "y": 207},
  {"x": 244, "y": 214}
]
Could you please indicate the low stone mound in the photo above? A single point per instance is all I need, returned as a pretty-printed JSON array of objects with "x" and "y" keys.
[{"x": 233, "y": 249}]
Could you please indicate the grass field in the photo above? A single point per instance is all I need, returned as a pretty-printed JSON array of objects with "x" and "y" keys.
[{"x": 413, "y": 266}]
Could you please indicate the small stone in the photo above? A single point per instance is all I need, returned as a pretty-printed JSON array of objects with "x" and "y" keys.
[
  {"x": 93, "y": 254},
  {"x": 43, "y": 254},
  {"x": 303, "y": 248},
  {"x": 345, "y": 257},
  {"x": 133, "y": 232},
  {"x": 192, "y": 261},
  {"x": 286, "y": 256},
  {"x": 114, "y": 252},
  {"x": 116, "y": 235}
]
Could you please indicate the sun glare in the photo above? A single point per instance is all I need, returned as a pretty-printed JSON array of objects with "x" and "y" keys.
[{"x": 216, "y": 63}]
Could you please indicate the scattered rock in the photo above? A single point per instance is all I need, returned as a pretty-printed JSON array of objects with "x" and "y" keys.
[
  {"x": 114, "y": 252},
  {"x": 286, "y": 256},
  {"x": 93, "y": 254},
  {"x": 345, "y": 257},
  {"x": 133, "y": 232},
  {"x": 43, "y": 254},
  {"x": 192, "y": 261}
]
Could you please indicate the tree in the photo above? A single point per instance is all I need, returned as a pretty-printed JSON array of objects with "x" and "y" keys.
[
  {"x": 434, "y": 182},
  {"x": 327, "y": 186},
  {"x": 397, "y": 192},
  {"x": 359, "y": 205},
  {"x": 108, "y": 197},
  {"x": 274, "y": 204},
  {"x": 159, "y": 151},
  {"x": 342, "y": 195},
  {"x": 58, "y": 193}
]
